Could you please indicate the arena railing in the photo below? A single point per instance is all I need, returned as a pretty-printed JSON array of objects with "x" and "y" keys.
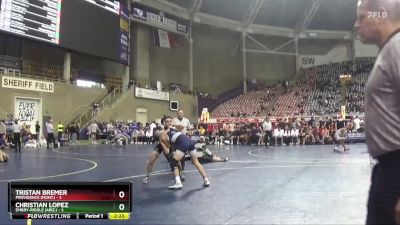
[
  {"x": 253, "y": 119},
  {"x": 40, "y": 77},
  {"x": 75, "y": 114},
  {"x": 84, "y": 119}
]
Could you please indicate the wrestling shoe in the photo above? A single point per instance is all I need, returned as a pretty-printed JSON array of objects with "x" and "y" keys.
[
  {"x": 176, "y": 186},
  {"x": 146, "y": 180},
  {"x": 206, "y": 182}
]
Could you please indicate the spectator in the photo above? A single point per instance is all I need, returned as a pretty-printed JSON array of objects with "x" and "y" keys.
[
  {"x": 180, "y": 122},
  {"x": 93, "y": 129},
  {"x": 37, "y": 130},
  {"x": 278, "y": 135},
  {"x": 50, "y": 134},
  {"x": 17, "y": 135},
  {"x": 267, "y": 130},
  {"x": 3, "y": 129}
]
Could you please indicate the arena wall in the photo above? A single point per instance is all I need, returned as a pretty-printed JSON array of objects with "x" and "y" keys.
[
  {"x": 66, "y": 101},
  {"x": 320, "y": 52},
  {"x": 44, "y": 53},
  {"x": 270, "y": 67},
  {"x": 365, "y": 51},
  {"x": 125, "y": 109},
  {"x": 95, "y": 64},
  {"x": 217, "y": 67},
  {"x": 170, "y": 64},
  {"x": 316, "y": 46},
  {"x": 217, "y": 59},
  {"x": 41, "y": 52},
  {"x": 140, "y": 54}
]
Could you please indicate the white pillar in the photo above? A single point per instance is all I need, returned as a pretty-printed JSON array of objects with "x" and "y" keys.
[
  {"x": 352, "y": 52},
  {"x": 244, "y": 65},
  {"x": 67, "y": 67},
  {"x": 296, "y": 47},
  {"x": 191, "y": 62},
  {"x": 142, "y": 53},
  {"x": 125, "y": 79}
]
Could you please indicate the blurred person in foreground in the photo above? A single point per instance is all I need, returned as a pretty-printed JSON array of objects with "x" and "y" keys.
[{"x": 378, "y": 23}]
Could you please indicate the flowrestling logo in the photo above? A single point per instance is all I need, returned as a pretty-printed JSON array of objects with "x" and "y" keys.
[{"x": 379, "y": 15}]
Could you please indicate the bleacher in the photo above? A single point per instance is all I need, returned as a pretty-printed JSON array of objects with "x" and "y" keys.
[
  {"x": 42, "y": 70},
  {"x": 355, "y": 95},
  {"x": 319, "y": 92},
  {"x": 113, "y": 83},
  {"x": 252, "y": 103}
]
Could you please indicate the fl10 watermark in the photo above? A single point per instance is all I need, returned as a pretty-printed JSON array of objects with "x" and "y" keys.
[{"x": 377, "y": 15}]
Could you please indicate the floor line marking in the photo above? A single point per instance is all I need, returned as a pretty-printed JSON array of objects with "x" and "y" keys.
[
  {"x": 228, "y": 168},
  {"x": 154, "y": 173},
  {"x": 87, "y": 154},
  {"x": 291, "y": 158},
  {"x": 58, "y": 175}
]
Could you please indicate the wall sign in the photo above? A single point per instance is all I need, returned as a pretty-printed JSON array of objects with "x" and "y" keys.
[{"x": 27, "y": 84}]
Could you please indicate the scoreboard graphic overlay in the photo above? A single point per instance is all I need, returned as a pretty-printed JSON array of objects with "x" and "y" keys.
[{"x": 78, "y": 200}]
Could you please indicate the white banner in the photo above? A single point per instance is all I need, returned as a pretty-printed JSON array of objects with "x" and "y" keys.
[
  {"x": 158, "y": 18},
  {"x": 151, "y": 94},
  {"x": 364, "y": 50},
  {"x": 314, "y": 60},
  {"x": 28, "y": 111},
  {"x": 27, "y": 84},
  {"x": 336, "y": 55}
]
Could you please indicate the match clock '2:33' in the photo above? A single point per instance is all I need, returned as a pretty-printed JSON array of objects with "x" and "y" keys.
[{"x": 118, "y": 216}]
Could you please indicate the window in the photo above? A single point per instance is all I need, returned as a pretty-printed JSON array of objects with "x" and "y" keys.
[{"x": 89, "y": 84}]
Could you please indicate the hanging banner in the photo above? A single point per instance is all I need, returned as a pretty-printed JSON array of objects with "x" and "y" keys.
[
  {"x": 27, "y": 111},
  {"x": 124, "y": 35},
  {"x": 155, "y": 17}
]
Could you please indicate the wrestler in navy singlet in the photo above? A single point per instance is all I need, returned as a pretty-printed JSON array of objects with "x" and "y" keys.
[{"x": 180, "y": 141}]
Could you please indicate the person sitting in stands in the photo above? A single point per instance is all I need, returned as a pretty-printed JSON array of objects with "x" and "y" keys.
[
  {"x": 120, "y": 138},
  {"x": 278, "y": 135},
  {"x": 42, "y": 141},
  {"x": 295, "y": 135},
  {"x": 287, "y": 136},
  {"x": 309, "y": 138},
  {"x": 3, "y": 141},
  {"x": 302, "y": 136},
  {"x": 3, "y": 156},
  {"x": 31, "y": 142},
  {"x": 64, "y": 139}
]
